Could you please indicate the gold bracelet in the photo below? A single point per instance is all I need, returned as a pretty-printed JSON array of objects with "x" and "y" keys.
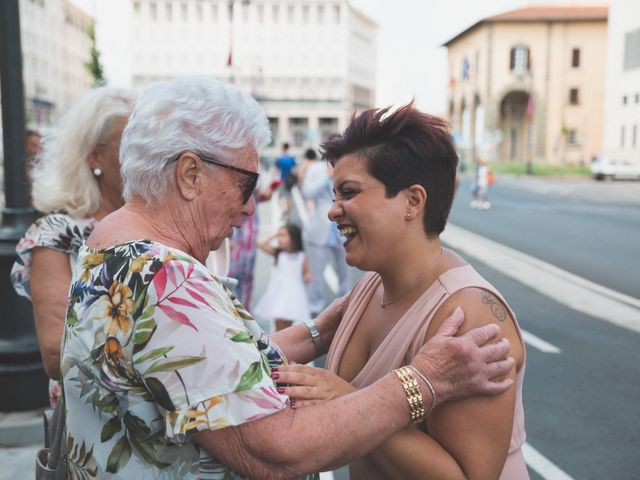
[{"x": 412, "y": 392}]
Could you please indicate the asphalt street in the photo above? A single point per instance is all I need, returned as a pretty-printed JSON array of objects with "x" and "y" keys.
[{"x": 589, "y": 228}]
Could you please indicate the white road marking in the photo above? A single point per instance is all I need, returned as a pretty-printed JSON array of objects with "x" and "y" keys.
[
  {"x": 542, "y": 465},
  {"x": 537, "y": 343},
  {"x": 571, "y": 290}
]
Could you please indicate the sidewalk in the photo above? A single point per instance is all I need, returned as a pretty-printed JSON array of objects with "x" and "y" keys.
[{"x": 21, "y": 436}]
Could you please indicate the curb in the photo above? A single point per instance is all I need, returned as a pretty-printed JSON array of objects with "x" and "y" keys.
[{"x": 21, "y": 428}]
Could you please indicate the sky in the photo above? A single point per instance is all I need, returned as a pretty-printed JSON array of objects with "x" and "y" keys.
[{"x": 411, "y": 62}]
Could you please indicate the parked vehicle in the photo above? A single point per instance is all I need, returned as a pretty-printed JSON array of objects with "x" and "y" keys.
[{"x": 604, "y": 168}]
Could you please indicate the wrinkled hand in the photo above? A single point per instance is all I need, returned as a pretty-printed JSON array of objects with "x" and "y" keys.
[
  {"x": 309, "y": 385},
  {"x": 466, "y": 365}
]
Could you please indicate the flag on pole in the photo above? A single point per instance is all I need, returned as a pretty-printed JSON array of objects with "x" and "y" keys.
[{"x": 230, "y": 58}]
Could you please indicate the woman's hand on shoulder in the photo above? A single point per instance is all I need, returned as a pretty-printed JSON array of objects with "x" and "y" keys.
[{"x": 309, "y": 385}]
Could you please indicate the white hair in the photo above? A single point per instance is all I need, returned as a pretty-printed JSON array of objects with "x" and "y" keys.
[
  {"x": 62, "y": 177},
  {"x": 198, "y": 114}
]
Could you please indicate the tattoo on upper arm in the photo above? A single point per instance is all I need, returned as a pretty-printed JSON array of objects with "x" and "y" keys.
[{"x": 497, "y": 308}]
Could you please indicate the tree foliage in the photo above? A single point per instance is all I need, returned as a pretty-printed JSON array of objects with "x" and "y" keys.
[{"x": 94, "y": 66}]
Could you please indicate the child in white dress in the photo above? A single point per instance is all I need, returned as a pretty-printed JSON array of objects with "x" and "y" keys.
[{"x": 285, "y": 299}]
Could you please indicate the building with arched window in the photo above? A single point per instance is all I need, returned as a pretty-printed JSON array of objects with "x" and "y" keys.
[{"x": 527, "y": 85}]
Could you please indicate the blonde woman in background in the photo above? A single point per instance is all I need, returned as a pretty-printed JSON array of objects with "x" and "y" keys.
[{"x": 76, "y": 182}]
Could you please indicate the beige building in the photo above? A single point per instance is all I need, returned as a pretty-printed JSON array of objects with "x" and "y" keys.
[
  {"x": 528, "y": 85},
  {"x": 55, "y": 48}
]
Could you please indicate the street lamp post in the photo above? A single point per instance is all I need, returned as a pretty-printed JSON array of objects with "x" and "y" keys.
[{"x": 22, "y": 378}]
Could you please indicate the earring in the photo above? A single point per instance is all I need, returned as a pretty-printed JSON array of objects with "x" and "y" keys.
[
  {"x": 97, "y": 172},
  {"x": 407, "y": 216}
]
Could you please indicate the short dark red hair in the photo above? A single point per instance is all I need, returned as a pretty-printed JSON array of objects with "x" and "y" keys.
[{"x": 403, "y": 148}]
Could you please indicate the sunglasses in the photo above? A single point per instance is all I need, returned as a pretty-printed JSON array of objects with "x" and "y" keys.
[{"x": 247, "y": 188}]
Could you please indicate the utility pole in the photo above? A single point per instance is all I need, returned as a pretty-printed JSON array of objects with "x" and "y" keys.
[{"x": 23, "y": 382}]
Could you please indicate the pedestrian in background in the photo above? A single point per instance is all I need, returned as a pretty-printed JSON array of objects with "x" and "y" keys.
[
  {"x": 285, "y": 299},
  {"x": 321, "y": 236},
  {"x": 243, "y": 250},
  {"x": 285, "y": 165},
  {"x": 76, "y": 183},
  {"x": 480, "y": 192}
]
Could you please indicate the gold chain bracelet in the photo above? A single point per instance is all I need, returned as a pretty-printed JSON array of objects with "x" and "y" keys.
[{"x": 412, "y": 392}]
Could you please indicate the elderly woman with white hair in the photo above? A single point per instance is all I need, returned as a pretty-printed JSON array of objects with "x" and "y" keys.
[
  {"x": 76, "y": 182},
  {"x": 165, "y": 374}
]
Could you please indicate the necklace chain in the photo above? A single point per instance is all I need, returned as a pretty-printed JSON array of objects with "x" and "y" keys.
[{"x": 384, "y": 304}]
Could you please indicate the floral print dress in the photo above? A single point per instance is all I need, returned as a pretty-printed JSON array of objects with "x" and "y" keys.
[
  {"x": 59, "y": 232},
  {"x": 155, "y": 349}
]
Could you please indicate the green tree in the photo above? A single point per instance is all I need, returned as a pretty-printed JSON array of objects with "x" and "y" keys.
[{"x": 93, "y": 65}]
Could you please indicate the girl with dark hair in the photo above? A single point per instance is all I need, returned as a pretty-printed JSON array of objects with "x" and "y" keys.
[{"x": 285, "y": 299}]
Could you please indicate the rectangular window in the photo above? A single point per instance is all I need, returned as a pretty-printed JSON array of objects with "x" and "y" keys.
[
  {"x": 624, "y": 100},
  {"x": 273, "y": 125},
  {"x": 622, "y": 137},
  {"x": 572, "y": 138},
  {"x": 575, "y": 58},
  {"x": 637, "y": 97},
  {"x": 634, "y": 136},
  {"x": 632, "y": 49},
  {"x": 519, "y": 60},
  {"x": 573, "y": 96}
]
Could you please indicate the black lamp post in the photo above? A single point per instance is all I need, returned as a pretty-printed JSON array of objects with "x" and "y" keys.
[{"x": 23, "y": 383}]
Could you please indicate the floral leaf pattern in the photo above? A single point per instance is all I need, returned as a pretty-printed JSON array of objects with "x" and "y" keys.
[{"x": 155, "y": 349}]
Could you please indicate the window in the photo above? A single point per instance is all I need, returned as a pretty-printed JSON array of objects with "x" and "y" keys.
[
  {"x": 572, "y": 138},
  {"x": 519, "y": 62},
  {"x": 634, "y": 136},
  {"x": 622, "y": 137},
  {"x": 637, "y": 97},
  {"x": 624, "y": 100},
  {"x": 575, "y": 58},
  {"x": 573, "y": 96},
  {"x": 632, "y": 49}
]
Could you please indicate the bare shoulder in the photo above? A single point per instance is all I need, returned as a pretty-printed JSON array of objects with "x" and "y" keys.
[{"x": 480, "y": 308}]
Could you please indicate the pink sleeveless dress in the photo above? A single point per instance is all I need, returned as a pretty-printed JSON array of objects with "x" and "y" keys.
[{"x": 403, "y": 342}]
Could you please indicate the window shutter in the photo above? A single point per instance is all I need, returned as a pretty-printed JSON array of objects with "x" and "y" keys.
[
  {"x": 528, "y": 60},
  {"x": 512, "y": 62}
]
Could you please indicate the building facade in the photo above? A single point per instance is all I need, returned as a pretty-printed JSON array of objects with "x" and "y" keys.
[
  {"x": 622, "y": 97},
  {"x": 527, "y": 86},
  {"x": 310, "y": 63},
  {"x": 55, "y": 49}
]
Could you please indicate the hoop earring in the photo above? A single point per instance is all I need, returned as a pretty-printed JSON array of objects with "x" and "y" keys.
[{"x": 97, "y": 172}]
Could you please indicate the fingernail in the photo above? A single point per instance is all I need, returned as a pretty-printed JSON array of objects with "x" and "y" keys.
[
  {"x": 457, "y": 312},
  {"x": 280, "y": 389},
  {"x": 275, "y": 375}
]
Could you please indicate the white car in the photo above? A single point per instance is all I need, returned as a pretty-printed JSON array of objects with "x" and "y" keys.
[{"x": 604, "y": 168}]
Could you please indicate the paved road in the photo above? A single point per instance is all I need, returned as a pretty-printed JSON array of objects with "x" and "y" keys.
[{"x": 588, "y": 228}]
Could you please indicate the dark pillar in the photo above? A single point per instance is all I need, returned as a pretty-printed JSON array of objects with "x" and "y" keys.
[{"x": 23, "y": 383}]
